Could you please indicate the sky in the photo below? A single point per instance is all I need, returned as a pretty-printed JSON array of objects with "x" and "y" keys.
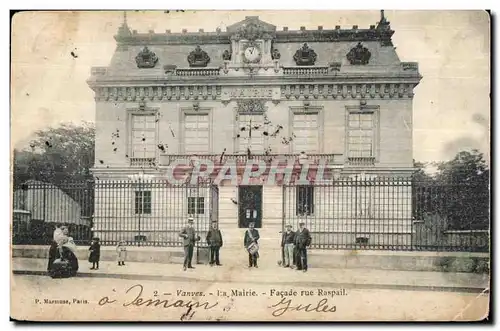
[{"x": 451, "y": 107}]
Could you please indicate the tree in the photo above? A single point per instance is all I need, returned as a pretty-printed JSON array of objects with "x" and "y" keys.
[
  {"x": 467, "y": 194},
  {"x": 420, "y": 175},
  {"x": 57, "y": 155},
  {"x": 458, "y": 194},
  {"x": 422, "y": 191}
]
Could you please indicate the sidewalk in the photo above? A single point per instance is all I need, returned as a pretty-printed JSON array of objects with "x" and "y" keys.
[{"x": 272, "y": 274}]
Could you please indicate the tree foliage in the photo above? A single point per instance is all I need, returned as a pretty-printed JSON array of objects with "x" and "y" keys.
[
  {"x": 58, "y": 154},
  {"x": 459, "y": 193}
]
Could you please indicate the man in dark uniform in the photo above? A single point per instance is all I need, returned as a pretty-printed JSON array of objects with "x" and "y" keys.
[
  {"x": 302, "y": 241},
  {"x": 189, "y": 238},
  {"x": 251, "y": 236},
  {"x": 214, "y": 241}
]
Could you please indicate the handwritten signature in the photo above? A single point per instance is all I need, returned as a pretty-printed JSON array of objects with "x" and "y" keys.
[
  {"x": 134, "y": 297},
  {"x": 286, "y": 305}
]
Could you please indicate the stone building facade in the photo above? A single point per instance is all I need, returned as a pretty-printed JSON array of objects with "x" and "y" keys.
[{"x": 340, "y": 96}]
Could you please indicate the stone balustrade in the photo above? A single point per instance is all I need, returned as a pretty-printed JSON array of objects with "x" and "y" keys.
[
  {"x": 241, "y": 159},
  {"x": 361, "y": 161},
  {"x": 305, "y": 71}
]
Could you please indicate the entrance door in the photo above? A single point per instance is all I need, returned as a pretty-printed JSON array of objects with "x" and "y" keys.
[{"x": 250, "y": 206}]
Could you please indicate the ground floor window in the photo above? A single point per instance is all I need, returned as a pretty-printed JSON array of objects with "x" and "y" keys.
[
  {"x": 196, "y": 205},
  {"x": 304, "y": 198},
  {"x": 143, "y": 202}
]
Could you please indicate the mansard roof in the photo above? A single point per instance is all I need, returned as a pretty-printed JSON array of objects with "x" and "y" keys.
[{"x": 166, "y": 56}]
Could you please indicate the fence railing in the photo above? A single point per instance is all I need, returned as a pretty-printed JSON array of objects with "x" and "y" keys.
[
  {"x": 346, "y": 213},
  {"x": 391, "y": 214},
  {"x": 38, "y": 207},
  {"x": 140, "y": 212}
]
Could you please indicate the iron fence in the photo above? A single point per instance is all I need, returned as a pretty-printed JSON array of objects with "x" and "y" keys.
[
  {"x": 139, "y": 212},
  {"x": 152, "y": 213},
  {"x": 346, "y": 213},
  {"x": 391, "y": 214},
  {"x": 38, "y": 207}
]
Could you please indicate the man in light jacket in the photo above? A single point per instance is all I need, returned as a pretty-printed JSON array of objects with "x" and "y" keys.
[
  {"x": 189, "y": 238},
  {"x": 287, "y": 244}
]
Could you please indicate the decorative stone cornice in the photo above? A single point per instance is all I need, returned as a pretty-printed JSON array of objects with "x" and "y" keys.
[
  {"x": 347, "y": 91},
  {"x": 292, "y": 91},
  {"x": 158, "y": 93},
  {"x": 285, "y": 75}
]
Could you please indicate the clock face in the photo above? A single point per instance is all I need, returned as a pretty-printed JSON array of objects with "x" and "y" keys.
[{"x": 252, "y": 54}]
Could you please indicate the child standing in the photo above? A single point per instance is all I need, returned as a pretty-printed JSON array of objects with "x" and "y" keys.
[
  {"x": 121, "y": 250},
  {"x": 95, "y": 253}
]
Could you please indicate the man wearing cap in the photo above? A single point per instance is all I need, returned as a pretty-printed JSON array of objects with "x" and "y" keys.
[
  {"x": 287, "y": 244},
  {"x": 302, "y": 241},
  {"x": 251, "y": 236},
  {"x": 214, "y": 241},
  {"x": 189, "y": 238}
]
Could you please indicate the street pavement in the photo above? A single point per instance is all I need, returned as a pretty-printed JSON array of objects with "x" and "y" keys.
[{"x": 269, "y": 273}]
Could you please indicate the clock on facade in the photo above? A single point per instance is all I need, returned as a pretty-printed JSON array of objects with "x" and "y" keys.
[{"x": 252, "y": 54}]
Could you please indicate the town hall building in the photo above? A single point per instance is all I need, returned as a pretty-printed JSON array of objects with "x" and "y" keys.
[{"x": 339, "y": 97}]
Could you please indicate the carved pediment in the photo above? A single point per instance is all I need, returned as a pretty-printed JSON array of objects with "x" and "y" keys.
[
  {"x": 146, "y": 59},
  {"x": 359, "y": 55},
  {"x": 251, "y": 28},
  {"x": 198, "y": 58},
  {"x": 305, "y": 56}
]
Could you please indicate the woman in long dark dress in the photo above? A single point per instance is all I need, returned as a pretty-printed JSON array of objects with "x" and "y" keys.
[
  {"x": 63, "y": 262},
  {"x": 95, "y": 253}
]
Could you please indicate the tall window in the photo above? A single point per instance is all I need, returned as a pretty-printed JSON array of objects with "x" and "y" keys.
[
  {"x": 361, "y": 129},
  {"x": 251, "y": 133},
  {"x": 306, "y": 131},
  {"x": 143, "y": 202},
  {"x": 143, "y": 136},
  {"x": 196, "y": 205},
  {"x": 196, "y": 134},
  {"x": 304, "y": 199}
]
